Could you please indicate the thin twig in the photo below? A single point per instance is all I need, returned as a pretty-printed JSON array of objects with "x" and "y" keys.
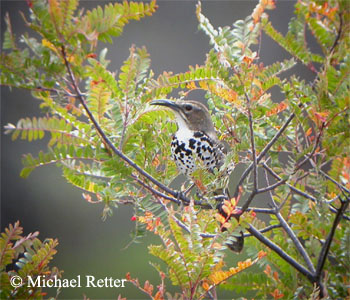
[
  {"x": 154, "y": 191},
  {"x": 293, "y": 188},
  {"x": 339, "y": 32},
  {"x": 252, "y": 142},
  {"x": 339, "y": 185},
  {"x": 260, "y": 210},
  {"x": 271, "y": 187},
  {"x": 301, "y": 193},
  {"x": 309, "y": 156},
  {"x": 263, "y": 152},
  {"x": 266, "y": 229}
]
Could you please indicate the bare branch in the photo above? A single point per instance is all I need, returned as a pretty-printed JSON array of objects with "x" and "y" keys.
[
  {"x": 293, "y": 188},
  {"x": 340, "y": 29},
  {"x": 266, "y": 229},
  {"x": 326, "y": 246},
  {"x": 299, "y": 192},
  {"x": 255, "y": 232},
  {"x": 263, "y": 152},
  {"x": 271, "y": 187},
  {"x": 267, "y": 211},
  {"x": 339, "y": 185},
  {"x": 309, "y": 156},
  {"x": 290, "y": 232}
]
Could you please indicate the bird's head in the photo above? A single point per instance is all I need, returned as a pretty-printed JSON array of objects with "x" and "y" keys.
[{"x": 191, "y": 114}]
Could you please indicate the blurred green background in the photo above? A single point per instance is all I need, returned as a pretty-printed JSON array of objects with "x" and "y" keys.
[{"x": 45, "y": 202}]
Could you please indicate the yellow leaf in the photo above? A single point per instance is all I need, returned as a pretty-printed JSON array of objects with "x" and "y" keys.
[
  {"x": 48, "y": 44},
  {"x": 220, "y": 218}
]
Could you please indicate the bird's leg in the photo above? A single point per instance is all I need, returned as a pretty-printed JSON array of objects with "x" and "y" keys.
[{"x": 189, "y": 189}]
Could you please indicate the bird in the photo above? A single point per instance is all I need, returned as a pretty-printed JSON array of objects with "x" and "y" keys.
[{"x": 196, "y": 144}]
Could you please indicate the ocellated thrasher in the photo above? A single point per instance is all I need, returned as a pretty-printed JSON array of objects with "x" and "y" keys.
[{"x": 196, "y": 139}]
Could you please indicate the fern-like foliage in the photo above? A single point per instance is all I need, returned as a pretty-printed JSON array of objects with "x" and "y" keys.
[
  {"x": 102, "y": 134},
  {"x": 194, "y": 261},
  {"x": 31, "y": 258}
]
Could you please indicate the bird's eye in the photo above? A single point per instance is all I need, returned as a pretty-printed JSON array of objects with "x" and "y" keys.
[{"x": 188, "y": 107}]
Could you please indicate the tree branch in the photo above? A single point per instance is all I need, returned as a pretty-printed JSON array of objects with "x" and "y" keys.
[
  {"x": 255, "y": 232},
  {"x": 301, "y": 193},
  {"x": 326, "y": 246},
  {"x": 266, "y": 229},
  {"x": 309, "y": 156},
  {"x": 251, "y": 129},
  {"x": 290, "y": 232},
  {"x": 263, "y": 152},
  {"x": 116, "y": 151}
]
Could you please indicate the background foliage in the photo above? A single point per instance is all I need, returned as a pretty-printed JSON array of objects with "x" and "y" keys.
[{"x": 101, "y": 133}]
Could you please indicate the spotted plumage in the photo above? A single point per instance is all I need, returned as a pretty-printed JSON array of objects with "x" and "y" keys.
[{"x": 187, "y": 149}]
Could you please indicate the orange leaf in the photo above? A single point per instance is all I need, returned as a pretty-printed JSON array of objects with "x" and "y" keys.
[
  {"x": 159, "y": 296},
  {"x": 200, "y": 185},
  {"x": 261, "y": 254},
  {"x": 267, "y": 270},
  {"x": 322, "y": 116},
  {"x": 276, "y": 294},
  {"x": 148, "y": 287},
  {"x": 226, "y": 210},
  {"x": 309, "y": 131},
  {"x": 205, "y": 285}
]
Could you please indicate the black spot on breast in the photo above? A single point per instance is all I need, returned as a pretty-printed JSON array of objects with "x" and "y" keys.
[
  {"x": 192, "y": 143},
  {"x": 198, "y": 134}
]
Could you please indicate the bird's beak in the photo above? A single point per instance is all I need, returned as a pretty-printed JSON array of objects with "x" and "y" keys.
[{"x": 167, "y": 103}]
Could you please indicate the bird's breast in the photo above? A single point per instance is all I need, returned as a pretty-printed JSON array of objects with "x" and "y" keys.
[{"x": 190, "y": 148}]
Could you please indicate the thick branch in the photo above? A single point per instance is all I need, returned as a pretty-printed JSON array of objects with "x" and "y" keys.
[
  {"x": 255, "y": 232},
  {"x": 296, "y": 242},
  {"x": 290, "y": 232},
  {"x": 110, "y": 144},
  {"x": 326, "y": 246}
]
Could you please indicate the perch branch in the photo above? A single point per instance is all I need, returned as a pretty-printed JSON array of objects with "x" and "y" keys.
[{"x": 119, "y": 153}]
